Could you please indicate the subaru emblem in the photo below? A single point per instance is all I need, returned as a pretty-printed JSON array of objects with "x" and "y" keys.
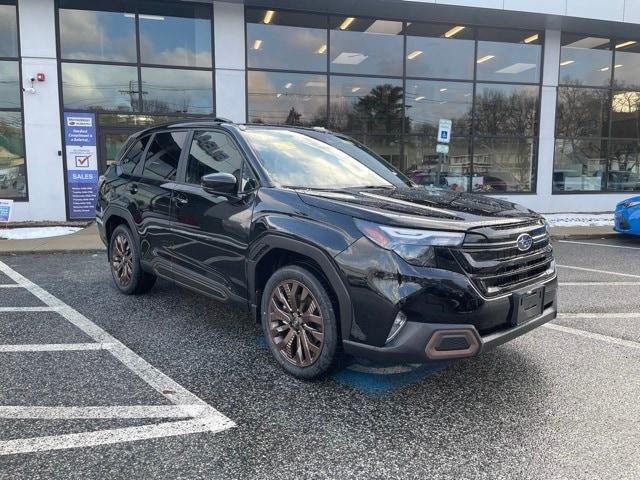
[{"x": 524, "y": 242}]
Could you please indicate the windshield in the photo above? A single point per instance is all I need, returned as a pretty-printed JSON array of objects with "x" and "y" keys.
[{"x": 320, "y": 161}]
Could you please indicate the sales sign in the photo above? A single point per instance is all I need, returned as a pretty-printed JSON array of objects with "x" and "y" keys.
[
  {"x": 444, "y": 131},
  {"x": 82, "y": 164},
  {"x": 5, "y": 210}
]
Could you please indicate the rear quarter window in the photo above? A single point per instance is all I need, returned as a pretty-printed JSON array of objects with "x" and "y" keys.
[{"x": 133, "y": 155}]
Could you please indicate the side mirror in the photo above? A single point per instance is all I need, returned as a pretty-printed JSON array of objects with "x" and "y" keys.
[{"x": 224, "y": 183}]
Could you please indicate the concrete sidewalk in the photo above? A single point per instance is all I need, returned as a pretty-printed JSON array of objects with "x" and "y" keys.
[{"x": 87, "y": 240}]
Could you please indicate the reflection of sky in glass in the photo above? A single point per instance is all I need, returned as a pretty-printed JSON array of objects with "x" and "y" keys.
[
  {"x": 459, "y": 55},
  {"x": 172, "y": 90},
  {"x": 272, "y": 96},
  {"x": 284, "y": 47},
  {"x": 583, "y": 66},
  {"x": 294, "y": 159},
  {"x": 8, "y": 31},
  {"x": 511, "y": 62},
  {"x": 90, "y": 35},
  {"x": 627, "y": 73},
  {"x": 175, "y": 41},
  {"x": 99, "y": 86},
  {"x": 428, "y": 102},
  {"x": 9, "y": 85},
  {"x": 377, "y": 53}
]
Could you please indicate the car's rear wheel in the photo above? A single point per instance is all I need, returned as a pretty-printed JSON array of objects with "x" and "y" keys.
[
  {"x": 124, "y": 259},
  {"x": 299, "y": 323}
]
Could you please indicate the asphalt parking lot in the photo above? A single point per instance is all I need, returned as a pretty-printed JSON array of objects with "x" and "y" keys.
[{"x": 94, "y": 384}]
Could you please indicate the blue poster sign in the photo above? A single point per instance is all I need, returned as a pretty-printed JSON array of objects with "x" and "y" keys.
[
  {"x": 5, "y": 210},
  {"x": 82, "y": 164}
]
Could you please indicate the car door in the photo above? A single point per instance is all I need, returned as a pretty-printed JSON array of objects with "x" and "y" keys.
[
  {"x": 153, "y": 195},
  {"x": 212, "y": 230}
]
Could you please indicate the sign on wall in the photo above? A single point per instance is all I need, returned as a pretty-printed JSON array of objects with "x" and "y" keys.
[
  {"x": 82, "y": 164},
  {"x": 5, "y": 210}
]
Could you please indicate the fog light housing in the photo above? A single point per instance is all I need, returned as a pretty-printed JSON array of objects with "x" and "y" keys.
[{"x": 398, "y": 323}]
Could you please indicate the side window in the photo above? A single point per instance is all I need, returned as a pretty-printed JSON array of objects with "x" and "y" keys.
[
  {"x": 163, "y": 155},
  {"x": 213, "y": 152},
  {"x": 133, "y": 156}
]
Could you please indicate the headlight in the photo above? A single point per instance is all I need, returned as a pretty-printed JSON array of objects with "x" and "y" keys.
[{"x": 415, "y": 246}]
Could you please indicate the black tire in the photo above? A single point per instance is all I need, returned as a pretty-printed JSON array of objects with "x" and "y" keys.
[
  {"x": 318, "y": 357},
  {"x": 124, "y": 262}
]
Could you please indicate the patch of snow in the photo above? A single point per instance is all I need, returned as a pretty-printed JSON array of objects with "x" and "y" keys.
[
  {"x": 28, "y": 233},
  {"x": 579, "y": 219}
]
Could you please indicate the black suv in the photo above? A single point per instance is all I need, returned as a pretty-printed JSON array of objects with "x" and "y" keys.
[{"x": 327, "y": 245}]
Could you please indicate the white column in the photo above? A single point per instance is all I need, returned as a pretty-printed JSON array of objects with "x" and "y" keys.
[
  {"x": 229, "y": 41},
  {"x": 41, "y": 114}
]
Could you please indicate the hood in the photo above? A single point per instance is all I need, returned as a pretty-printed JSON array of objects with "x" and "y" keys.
[{"x": 419, "y": 207}]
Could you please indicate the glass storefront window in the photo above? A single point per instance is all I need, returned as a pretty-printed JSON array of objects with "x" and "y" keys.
[
  {"x": 626, "y": 72},
  {"x": 178, "y": 35},
  {"x": 167, "y": 91},
  {"x": 100, "y": 87},
  {"x": 625, "y": 115},
  {"x": 286, "y": 40},
  {"x": 504, "y": 165},
  {"x": 8, "y": 31},
  {"x": 623, "y": 173},
  {"x": 580, "y": 165},
  {"x": 97, "y": 35},
  {"x": 428, "y": 44},
  {"x": 13, "y": 181},
  {"x": 287, "y": 98},
  {"x": 429, "y": 101},
  {"x": 509, "y": 55},
  {"x": 506, "y": 109},
  {"x": 9, "y": 85},
  {"x": 364, "y": 104},
  {"x": 585, "y": 60},
  {"x": 582, "y": 112},
  {"x": 425, "y": 166},
  {"x": 366, "y": 46}
]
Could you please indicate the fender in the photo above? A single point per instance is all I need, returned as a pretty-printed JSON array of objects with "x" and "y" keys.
[
  {"x": 270, "y": 242},
  {"x": 117, "y": 211}
]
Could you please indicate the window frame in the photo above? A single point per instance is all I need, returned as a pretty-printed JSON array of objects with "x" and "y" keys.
[{"x": 20, "y": 109}]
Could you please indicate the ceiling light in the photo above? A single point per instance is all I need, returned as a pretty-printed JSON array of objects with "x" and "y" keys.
[
  {"x": 567, "y": 62},
  {"x": 347, "y": 23},
  {"x": 355, "y": 89},
  {"x": 257, "y": 44},
  {"x": 454, "y": 31},
  {"x": 619, "y": 65},
  {"x": 144, "y": 17},
  {"x": 532, "y": 38},
  {"x": 278, "y": 95},
  {"x": 517, "y": 68},
  {"x": 468, "y": 94},
  {"x": 415, "y": 54},
  {"x": 626, "y": 44},
  {"x": 486, "y": 58},
  {"x": 385, "y": 27},
  {"x": 313, "y": 84},
  {"x": 588, "y": 42},
  {"x": 288, "y": 85},
  {"x": 322, "y": 49},
  {"x": 348, "y": 58},
  {"x": 421, "y": 97},
  {"x": 604, "y": 69},
  {"x": 444, "y": 89},
  {"x": 268, "y": 16}
]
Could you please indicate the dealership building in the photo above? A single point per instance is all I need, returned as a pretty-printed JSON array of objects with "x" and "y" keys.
[{"x": 535, "y": 101}]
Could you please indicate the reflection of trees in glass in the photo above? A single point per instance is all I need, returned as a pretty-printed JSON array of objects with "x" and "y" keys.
[
  {"x": 293, "y": 118},
  {"x": 582, "y": 112},
  {"x": 500, "y": 114},
  {"x": 381, "y": 110},
  {"x": 626, "y": 114}
]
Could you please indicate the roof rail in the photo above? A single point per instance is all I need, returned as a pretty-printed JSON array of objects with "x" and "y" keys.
[{"x": 222, "y": 120}]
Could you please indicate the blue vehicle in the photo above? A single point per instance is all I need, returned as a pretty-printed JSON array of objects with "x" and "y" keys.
[{"x": 627, "y": 219}]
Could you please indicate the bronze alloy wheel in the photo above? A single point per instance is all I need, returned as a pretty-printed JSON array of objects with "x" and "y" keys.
[
  {"x": 296, "y": 323},
  {"x": 122, "y": 259}
]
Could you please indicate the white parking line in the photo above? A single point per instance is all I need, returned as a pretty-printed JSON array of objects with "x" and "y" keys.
[
  {"x": 593, "y": 336},
  {"x": 593, "y": 270},
  {"x": 598, "y": 316},
  {"x": 10, "y": 285},
  {"x": 208, "y": 418},
  {"x": 599, "y": 284},
  {"x": 28, "y": 309},
  {"x": 108, "y": 437},
  {"x": 594, "y": 244},
  {"x": 120, "y": 412},
  {"x": 52, "y": 347}
]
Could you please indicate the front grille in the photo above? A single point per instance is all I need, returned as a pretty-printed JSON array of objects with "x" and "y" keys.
[{"x": 492, "y": 260}]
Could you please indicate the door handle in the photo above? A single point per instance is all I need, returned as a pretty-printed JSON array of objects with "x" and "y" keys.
[
  {"x": 181, "y": 200},
  {"x": 133, "y": 189}
]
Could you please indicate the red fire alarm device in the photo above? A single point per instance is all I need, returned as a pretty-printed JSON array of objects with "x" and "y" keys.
[{"x": 40, "y": 77}]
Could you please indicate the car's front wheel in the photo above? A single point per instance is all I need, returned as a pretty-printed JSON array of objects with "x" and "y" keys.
[
  {"x": 124, "y": 259},
  {"x": 299, "y": 323}
]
